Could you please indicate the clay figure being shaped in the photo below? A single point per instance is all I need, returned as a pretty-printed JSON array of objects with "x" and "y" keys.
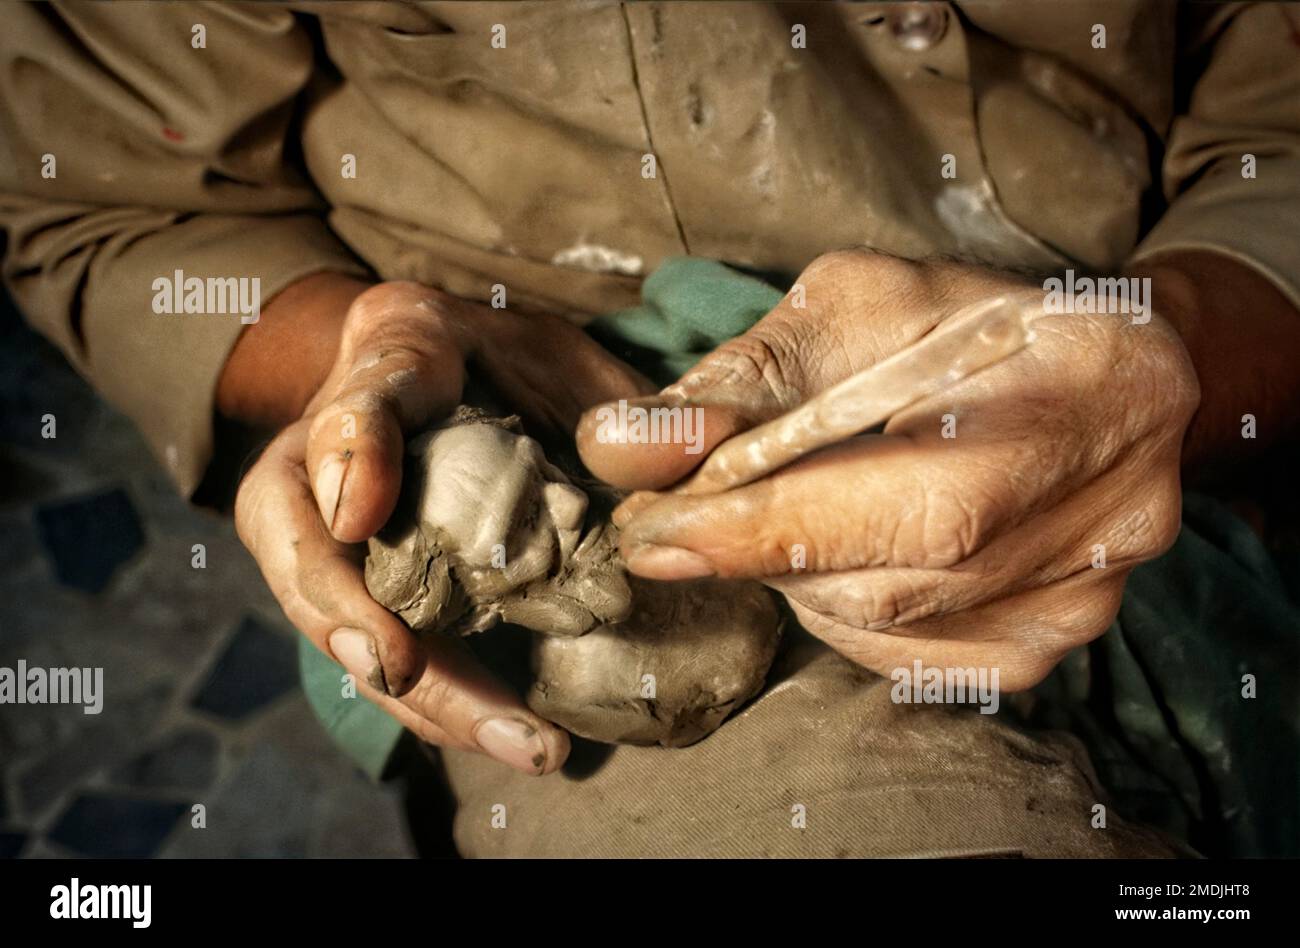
[{"x": 489, "y": 531}]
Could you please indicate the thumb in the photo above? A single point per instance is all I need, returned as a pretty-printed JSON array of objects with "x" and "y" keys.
[
  {"x": 652, "y": 442},
  {"x": 400, "y": 364}
]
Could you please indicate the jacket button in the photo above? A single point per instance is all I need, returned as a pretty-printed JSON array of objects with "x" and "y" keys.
[{"x": 918, "y": 26}]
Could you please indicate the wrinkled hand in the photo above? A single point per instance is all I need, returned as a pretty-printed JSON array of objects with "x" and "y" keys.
[
  {"x": 980, "y": 548},
  {"x": 330, "y": 480}
]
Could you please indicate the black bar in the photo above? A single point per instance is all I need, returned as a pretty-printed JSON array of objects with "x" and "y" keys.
[{"x": 998, "y": 898}]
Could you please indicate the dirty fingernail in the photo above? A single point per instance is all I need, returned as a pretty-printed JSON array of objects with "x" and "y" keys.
[
  {"x": 667, "y": 562},
  {"x": 355, "y": 651},
  {"x": 329, "y": 486},
  {"x": 513, "y": 742}
]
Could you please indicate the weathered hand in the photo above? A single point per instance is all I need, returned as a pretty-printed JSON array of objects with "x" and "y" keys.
[
  {"x": 973, "y": 530},
  {"x": 330, "y": 480}
]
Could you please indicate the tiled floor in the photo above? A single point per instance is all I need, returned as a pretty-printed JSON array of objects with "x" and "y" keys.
[{"x": 201, "y": 700}]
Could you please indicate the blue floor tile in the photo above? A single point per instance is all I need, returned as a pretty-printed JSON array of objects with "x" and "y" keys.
[
  {"x": 88, "y": 538},
  {"x": 257, "y": 667},
  {"x": 185, "y": 760},
  {"x": 116, "y": 827}
]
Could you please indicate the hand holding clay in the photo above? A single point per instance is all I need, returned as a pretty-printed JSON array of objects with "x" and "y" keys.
[
  {"x": 330, "y": 480},
  {"x": 992, "y": 525},
  {"x": 488, "y": 529}
]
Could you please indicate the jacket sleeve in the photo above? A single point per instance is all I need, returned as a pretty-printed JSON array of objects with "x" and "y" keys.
[
  {"x": 1242, "y": 98},
  {"x": 136, "y": 141}
]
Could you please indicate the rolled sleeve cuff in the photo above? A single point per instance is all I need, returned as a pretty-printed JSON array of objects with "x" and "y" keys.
[{"x": 162, "y": 369}]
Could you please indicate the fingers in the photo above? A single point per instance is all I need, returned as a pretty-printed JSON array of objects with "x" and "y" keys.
[
  {"x": 457, "y": 703},
  {"x": 317, "y": 579},
  {"x": 402, "y": 362},
  {"x": 875, "y": 501},
  {"x": 847, "y": 311},
  {"x": 653, "y": 440},
  {"x": 916, "y": 496},
  {"x": 1022, "y": 637},
  {"x": 786, "y": 357},
  {"x": 437, "y": 689},
  {"x": 1108, "y": 525},
  {"x": 356, "y": 441}
]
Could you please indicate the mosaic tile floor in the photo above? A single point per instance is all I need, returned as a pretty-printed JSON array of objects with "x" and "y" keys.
[{"x": 201, "y": 698}]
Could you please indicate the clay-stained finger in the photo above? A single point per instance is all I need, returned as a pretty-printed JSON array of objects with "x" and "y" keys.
[
  {"x": 652, "y": 442},
  {"x": 1112, "y": 523},
  {"x": 458, "y": 703},
  {"x": 354, "y": 452},
  {"x": 874, "y": 501},
  {"x": 317, "y": 579},
  {"x": 785, "y": 358}
]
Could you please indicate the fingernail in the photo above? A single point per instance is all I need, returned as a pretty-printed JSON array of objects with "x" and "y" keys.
[
  {"x": 356, "y": 651},
  {"x": 329, "y": 486},
  {"x": 513, "y": 742},
  {"x": 667, "y": 562}
]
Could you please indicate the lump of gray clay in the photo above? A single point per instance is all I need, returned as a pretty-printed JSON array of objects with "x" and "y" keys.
[
  {"x": 489, "y": 530},
  {"x": 688, "y": 655}
]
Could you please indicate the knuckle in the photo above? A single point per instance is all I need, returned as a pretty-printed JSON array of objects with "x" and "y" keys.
[
  {"x": 835, "y": 264},
  {"x": 370, "y": 309},
  {"x": 356, "y": 413},
  {"x": 1084, "y": 617},
  {"x": 850, "y": 641},
  {"x": 765, "y": 361},
  {"x": 394, "y": 352},
  {"x": 748, "y": 358},
  {"x": 848, "y": 282},
  {"x": 248, "y": 502},
  {"x": 371, "y": 313},
  {"x": 1089, "y": 623},
  {"x": 1167, "y": 521},
  {"x": 868, "y": 606},
  {"x": 777, "y": 549},
  {"x": 395, "y": 292},
  {"x": 435, "y": 698},
  {"x": 946, "y": 529},
  {"x": 1079, "y": 619},
  {"x": 775, "y": 557},
  {"x": 327, "y": 423},
  {"x": 887, "y": 604},
  {"x": 1150, "y": 366},
  {"x": 855, "y": 262},
  {"x": 1149, "y": 530},
  {"x": 1179, "y": 389}
]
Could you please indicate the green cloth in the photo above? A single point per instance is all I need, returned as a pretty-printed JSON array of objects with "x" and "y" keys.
[
  {"x": 688, "y": 308},
  {"x": 1158, "y": 699},
  {"x": 367, "y": 734}
]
